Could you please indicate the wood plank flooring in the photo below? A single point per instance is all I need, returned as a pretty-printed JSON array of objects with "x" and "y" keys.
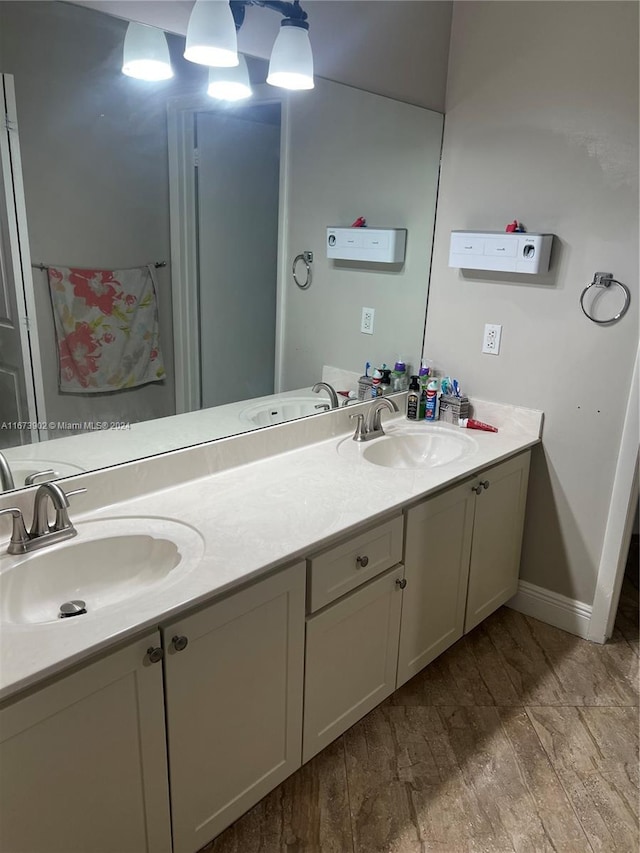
[{"x": 520, "y": 737}]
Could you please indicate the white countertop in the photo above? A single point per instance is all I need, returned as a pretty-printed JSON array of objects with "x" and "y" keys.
[{"x": 251, "y": 517}]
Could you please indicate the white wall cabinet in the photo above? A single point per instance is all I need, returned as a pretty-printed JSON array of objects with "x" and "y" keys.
[
  {"x": 234, "y": 704},
  {"x": 83, "y": 761},
  {"x": 462, "y": 560},
  {"x": 351, "y": 658}
]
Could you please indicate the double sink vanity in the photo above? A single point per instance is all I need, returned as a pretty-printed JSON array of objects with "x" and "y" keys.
[{"x": 247, "y": 601}]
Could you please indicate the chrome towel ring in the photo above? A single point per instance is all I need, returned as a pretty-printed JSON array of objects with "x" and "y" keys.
[
  {"x": 606, "y": 279},
  {"x": 307, "y": 259}
]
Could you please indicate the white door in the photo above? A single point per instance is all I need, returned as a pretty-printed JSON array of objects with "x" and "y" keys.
[
  {"x": 20, "y": 380},
  {"x": 238, "y": 175}
]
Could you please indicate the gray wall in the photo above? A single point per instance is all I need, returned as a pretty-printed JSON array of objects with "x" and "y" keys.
[
  {"x": 396, "y": 48},
  {"x": 542, "y": 124},
  {"x": 354, "y": 154}
]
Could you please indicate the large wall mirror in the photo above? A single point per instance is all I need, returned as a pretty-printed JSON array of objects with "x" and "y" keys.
[{"x": 212, "y": 202}]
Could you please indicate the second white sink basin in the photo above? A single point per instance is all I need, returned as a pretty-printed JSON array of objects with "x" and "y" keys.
[
  {"x": 286, "y": 409},
  {"x": 110, "y": 562},
  {"x": 411, "y": 447}
]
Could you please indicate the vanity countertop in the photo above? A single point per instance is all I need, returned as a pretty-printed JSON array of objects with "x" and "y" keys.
[{"x": 253, "y": 517}]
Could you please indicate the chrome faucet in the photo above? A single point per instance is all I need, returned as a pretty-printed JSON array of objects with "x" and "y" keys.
[
  {"x": 331, "y": 391},
  {"x": 372, "y": 427},
  {"x": 42, "y": 533},
  {"x": 6, "y": 477}
]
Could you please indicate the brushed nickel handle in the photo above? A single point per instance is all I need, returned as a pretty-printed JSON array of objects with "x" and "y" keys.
[
  {"x": 362, "y": 562},
  {"x": 179, "y": 643},
  {"x": 155, "y": 654},
  {"x": 401, "y": 582}
]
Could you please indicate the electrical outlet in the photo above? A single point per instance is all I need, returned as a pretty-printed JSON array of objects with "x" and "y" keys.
[
  {"x": 366, "y": 323},
  {"x": 491, "y": 340}
]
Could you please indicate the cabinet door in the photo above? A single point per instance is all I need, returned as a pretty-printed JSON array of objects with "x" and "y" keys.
[
  {"x": 497, "y": 538},
  {"x": 234, "y": 704},
  {"x": 351, "y": 657},
  {"x": 83, "y": 764},
  {"x": 438, "y": 546}
]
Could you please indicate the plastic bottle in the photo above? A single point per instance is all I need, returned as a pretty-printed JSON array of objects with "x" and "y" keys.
[
  {"x": 413, "y": 399},
  {"x": 385, "y": 382},
  {"x": 375, "y": 383},
  {"x": 431, "y": 402},
  {"x": 423, "y": 379},
  {"x": 399, "y": 376}
]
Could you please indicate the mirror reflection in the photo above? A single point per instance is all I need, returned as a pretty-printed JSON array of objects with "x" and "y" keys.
[{"x": 152, "y": 196}]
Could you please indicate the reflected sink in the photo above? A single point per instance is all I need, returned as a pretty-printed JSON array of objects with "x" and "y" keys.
[
  {"x": 111, "y": 562},
  {"x": 286, "y": 409},
  {"x": 23, "y": 468},
  {"x": 415, "y": 447}
]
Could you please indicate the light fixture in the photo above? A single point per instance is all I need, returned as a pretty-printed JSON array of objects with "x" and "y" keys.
[
  {"x": 146, "y": 53},
  {"x": 211, "y": 35},
  {"x": 230, "y": 84},
  {"x": 291, "y": 65}
]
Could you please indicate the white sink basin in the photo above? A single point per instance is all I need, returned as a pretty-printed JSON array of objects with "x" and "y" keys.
[
  {"x": 286, "y": 409},
  {"x": 110, "y": 562},
  {"x": 416, "y": 447}
]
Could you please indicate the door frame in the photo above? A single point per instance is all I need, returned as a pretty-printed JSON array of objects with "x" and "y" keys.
[
  {"x": 617, "y": 536},
  {"x": 183, "y": 199},
  {"x": 19, "y": 259}
]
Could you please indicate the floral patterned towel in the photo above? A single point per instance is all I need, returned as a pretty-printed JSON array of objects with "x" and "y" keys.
[{"x": 106, "y": 328}]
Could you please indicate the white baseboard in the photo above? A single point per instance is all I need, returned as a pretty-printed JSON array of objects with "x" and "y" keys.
[{"x": 551, "y": 607}]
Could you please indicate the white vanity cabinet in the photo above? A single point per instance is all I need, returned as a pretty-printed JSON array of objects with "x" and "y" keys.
[
  {"x": 233, "y": 683},
  {"x": 83, "y": 760},
  {"x": 352, "y": 643},
  {"x": 462, "y": 560}
]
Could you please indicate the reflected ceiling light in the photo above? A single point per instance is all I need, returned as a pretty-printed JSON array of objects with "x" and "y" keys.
[
  {"x": 291, "y": 65},
  {"x": 146, "y": 53},
  {"x": 230, "y": 84},
  {"x": 211, "y": 35}
]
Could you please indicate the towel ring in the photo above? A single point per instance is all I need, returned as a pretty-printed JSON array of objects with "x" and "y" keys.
[
  {"x": 606, "y": 279},
  {"x": 307, "y": 259}
]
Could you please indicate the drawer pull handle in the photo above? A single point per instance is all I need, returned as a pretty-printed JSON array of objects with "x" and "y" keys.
[
  {"x": 155, "y": 654},
  {"x": 179, "y": 643},
  {"x": 401, "y": 582},
  {"x": 362, "y": 562},
  {"x": 485, "y": 484},
  {"x": 477, "y": 489}
]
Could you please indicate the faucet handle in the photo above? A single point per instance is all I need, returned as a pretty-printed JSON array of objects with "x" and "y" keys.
[
  {"x": 62, "y": 516},
  {"x": 361, "y": 433},
  {"x": 19, "y": 535},
  {"x": 30, "y": 479}
]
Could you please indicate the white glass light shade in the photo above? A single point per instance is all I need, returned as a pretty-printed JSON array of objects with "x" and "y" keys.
[
  {"x": 211, "y": 35},
  {"x": 230, "y": 84},
  {"x": 146, "y": 53},
  {"x": 291, "y": 65}
]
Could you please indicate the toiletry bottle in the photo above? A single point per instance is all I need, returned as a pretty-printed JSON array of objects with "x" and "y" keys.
[
  {"x": 413, "y": 399},
  {"x": 431, "y": 402},
  {"x": 471, "y": 423},
  {"x": 364, "y": 384},
  {"x": 385, "y": 382},
  {"x": 399, "y": 376},
  {"x": 375, "y": 383},
  {"x": 423, "y": 379}
]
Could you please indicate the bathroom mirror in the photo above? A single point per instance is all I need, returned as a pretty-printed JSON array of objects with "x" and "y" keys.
[{"x": 101, "y": 159}]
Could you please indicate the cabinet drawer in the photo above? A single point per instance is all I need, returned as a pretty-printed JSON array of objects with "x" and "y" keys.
[{"x": 342, "y": 568}]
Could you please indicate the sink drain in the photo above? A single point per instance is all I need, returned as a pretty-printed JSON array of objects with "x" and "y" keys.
[{"x": 76, "y": 607}]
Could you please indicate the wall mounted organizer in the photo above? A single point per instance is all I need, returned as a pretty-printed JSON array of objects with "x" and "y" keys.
[
  {"x": 503, "y": 252},
  {"x": 377, "y": 245}
]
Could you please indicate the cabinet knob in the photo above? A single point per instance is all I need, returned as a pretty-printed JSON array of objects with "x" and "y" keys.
[
  {"x": 362, "y": 562},
  {"x": 155, "y": 654},
  {"x": 477, "y": 489},
  {"x": 179, "y": 643},
  {"x": 401, "y": 582},
  {"x": 485, "y": 484}
]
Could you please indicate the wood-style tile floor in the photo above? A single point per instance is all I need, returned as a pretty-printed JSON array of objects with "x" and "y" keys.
[{"x": 520, "y": 737}]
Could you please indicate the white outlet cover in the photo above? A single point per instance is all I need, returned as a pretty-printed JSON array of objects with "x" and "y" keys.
[
  {"x": 366, "y": 323},
  {"x": 491, "y": 340}
]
